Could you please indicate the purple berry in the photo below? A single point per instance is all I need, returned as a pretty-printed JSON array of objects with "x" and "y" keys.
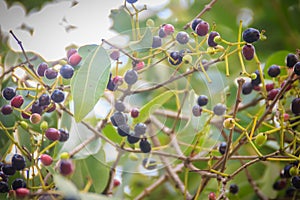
[
  {"x": 251, "y": 35},
  {"x": 202, "y": 28},
  {"x": 8, "y": 93}
]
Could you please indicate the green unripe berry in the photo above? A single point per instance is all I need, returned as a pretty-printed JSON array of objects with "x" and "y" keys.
[
  {"x": 210, "y": 50},
  {"x": 261, "y": 139},
  {"x": 64, "y": 155},
  {"x": 150, "y": 23},
  {"x": 24, "y": 125},
  {"x": 217, "y": 39},
  {"x": 229, "y": 123},
  {"x": 253, "y": 76},
  {"x": 187, "y": 59},
  {"x": 294, "y": 171},
  {"x": 44, "y": 126}
]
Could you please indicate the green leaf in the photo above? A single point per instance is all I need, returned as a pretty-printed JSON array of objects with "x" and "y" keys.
[
  {"x": 90, "y": 81},
  {"x": 144, "y": 44},
  {"x": 152, "y": 105},
  {"x": 121, "y": 21},
  {"x": 66, "y": 186},
  {"x": 29, "y": 5},
  {"x": 93, "y": 196},
  {"x": 92, "y": 168}
]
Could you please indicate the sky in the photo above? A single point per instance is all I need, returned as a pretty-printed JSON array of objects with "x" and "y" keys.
[{"x": 50, "y": 38}]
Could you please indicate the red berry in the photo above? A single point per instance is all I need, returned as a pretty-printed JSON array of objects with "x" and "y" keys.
[
  {"x": 66, "y": 167},
  {"x": 51, "y": 108},
  {"x": 22, "y": 192},
  {"x": 168, "y": 29},
  {"x": 288, "y": 88},
  {"x": 272, "y": 94},
  {"x": 202, "y": 28},
  {"x": 248, "y": 51},
  {"x": 269, "y": 86},
  {"x": 116, "y": 182},
  {"x": 286, "y": 117},
  {"x": 74, "y": 59},
  {"x": 212, "y": 196},
  {"x": 25, "y": 115},
  {"x": 35, "y": 118},
  {"x": 71, "y": 52},
  {"x": 140, "y": 65},
  {"x": 17, "y": 101},
  {"x": 118, "y": 80},
  {"x": 134, "y": 112},
  {"x": 46, "y": 159},
  {"x": 52, "y": 134}
]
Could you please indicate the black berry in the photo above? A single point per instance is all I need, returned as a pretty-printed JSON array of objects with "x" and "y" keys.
[
  {"x": 140, "y": 129},
  {"x": 51, "y": 73},
  {"x": 8, "y": 170},
  {"x": 58, "y": 96},
  {"x": 233, "y": 188},
  {"x": 297, "y": 68},
  {"x": 285, "y": 173},
  {"x": 66, "y": 71},
  {"x": 118, "y": 119},
  {"x": 222, "y": 147},
  {"x": 149, "y": 164},
  {"x": 132, "y": 139},
  {"x": 4, "y": 187},
  {"x": 202, "y": 100},
  {"x": 197, "y": 110},
  {"x": 202, "y": 28},
  {"x": 279, "y": 184},
  {"x": 111, "y": 85},
  {"x": 44, "y": 100},
  {"x": 64, "y": 135},
  {"x": 211, "y": 37},
  {"x": 42, "y": 68},
  {"x": 295, "y": 106},
  {"x": 18, "y": 162},
  {"x": 161, "y": 33},
  {"x": 182, "y": 37},
  {"x": 119, "y": 106},
  {"x": 175, "y": 58},
  {"x": 156, "y": 42},
  {"x": 3, "y": 177},
  {"x": 274, "y": 70},
  {"x": 248, "y": 51},
  {"x": 291, "y": 60},
  {"x": 18, "y": 183},
  {"x": 247, "y": 88},
  {"x": 251, "y": 35},
  {"x": 131, "y": 1},
  {"x": 257, "y": 81},
  {"x": 8, "y": 93},
  {"x": 219, "y": 109},
  {"x": 145, "y": 146},
  {"x": 296, "y": 182},
  {"x": 36, "y": 108},
  {"x": 123, "y": 130},
  {"x": 131, "y": 77}
]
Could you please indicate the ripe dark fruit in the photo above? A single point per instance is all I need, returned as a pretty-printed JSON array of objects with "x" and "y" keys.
[
  {"x": 131, "y": 1},
  {"x": 269, "y": 86},
  {"x": 149, "y": 164},
  {"x": 8, "y": 170},
  {"x": 182, "y": 37},
  {"x": 202, "y": 100},
  {"x": 279, "y": 184},
  {"x": 257, "y": 81},
  {"x": 74, "y": 59},
  {"x": 17, "y": 101},
  {"x": 111, "y": 85},
  {"x": 233, "y": 188},
  {"x": 132, "y": 139},
  {"x": 197, "y": 110},
  {"x": 58, "y": 96},
  {"x": 123, "y": 130},
  {"x": 211, "y": 37},
  {"x": 297, "y": 68},
  {"x": 42, "y": 68},
  {"x": 195, "y": 23},
  {"x": 119, "y": 106},
  {"x": 52, "y": 134},
  {"x": 175, "y": 58},
  {"x": 8, "y": 93},
  {"x": 285, "y": 173},
  {"x": 131, "y": 77},
  {"x": 118, "y": 119},
  {"x": 248, "y": 51},
  {"x": 288, "y": 87},
  {"x": 219, "y": 109},
  {"x": 290, "y": 192},
  {"x": 51, "y": 108},
  {"x": 272, "y": 94},
  {"x": 157, "y": 42},
  {"x": 66, "y": 71},
  {"x": 64, "y": 135},
  {"x": 115, "y": 54},
  {"x": 18, "y": 162},
  {"x": 296, "y": 182},
  {"x": 66, "y": 167},
  {"x": 46, "y": 159},
  {"x": 18, "y": 183},
  {"x": 6, "y": 109},
  {"x": 140, "y": 129},
  {"x": 145, "y": 146},
  {"x": 251, "y": 35},
  {"x": 247, "y": 88},
  {"x": 36, "y": 108},
  {"x": 4, "y": 187},
  {"x": 222, "y": 147},
  {"x": 51, "y": 73},
  {"x": 44, "y": 100},
  {"x": 202, "y": 28},
  {"x": 134, "y": 112},
  {"x": 295, "y": 106},
  {"x": 274, "y": 70},
  {"x": 22, "y": 192},
  {"x": 3, "y": 177},
  {"x": 161, "y": 33},
  {"x": 291, "y": 60}
]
